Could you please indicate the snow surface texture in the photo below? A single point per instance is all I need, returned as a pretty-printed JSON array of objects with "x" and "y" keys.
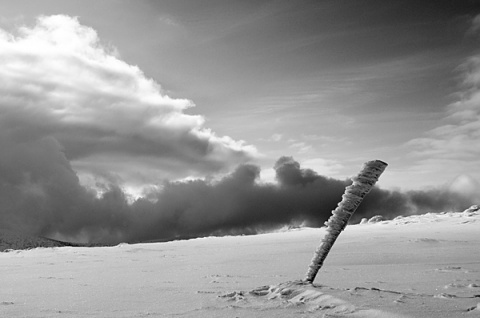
[{"x": 417, "y": 266}]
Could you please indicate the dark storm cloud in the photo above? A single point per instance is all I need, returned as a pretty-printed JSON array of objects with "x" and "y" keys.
[{"x": 40, "y": 193}]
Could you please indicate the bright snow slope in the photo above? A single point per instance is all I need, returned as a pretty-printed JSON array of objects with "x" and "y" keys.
[{"x": 417, "y": 266}]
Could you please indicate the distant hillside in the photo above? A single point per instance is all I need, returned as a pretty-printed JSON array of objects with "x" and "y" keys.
[{"x": 10, "y": 240}]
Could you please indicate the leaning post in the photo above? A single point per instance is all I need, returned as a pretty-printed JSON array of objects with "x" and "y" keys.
[{"x": 351, "y": 199}]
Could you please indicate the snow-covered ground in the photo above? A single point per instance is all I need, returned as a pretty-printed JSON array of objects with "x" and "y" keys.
[{"x": 417, "y": 266}]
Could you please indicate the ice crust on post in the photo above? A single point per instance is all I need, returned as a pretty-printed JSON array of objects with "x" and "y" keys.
[{"x": 351, "y": 199}]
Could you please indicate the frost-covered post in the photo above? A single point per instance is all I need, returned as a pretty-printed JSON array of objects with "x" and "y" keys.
[{"x": 351, "y": 199}]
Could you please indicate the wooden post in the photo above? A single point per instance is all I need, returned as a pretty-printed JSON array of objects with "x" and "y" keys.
[{"x": 351, "y": 199}]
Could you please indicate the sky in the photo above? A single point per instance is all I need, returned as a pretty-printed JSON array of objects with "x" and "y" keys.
[{"x": 118, "y": 100}]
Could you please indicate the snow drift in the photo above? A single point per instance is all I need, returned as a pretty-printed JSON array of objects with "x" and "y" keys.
[{"x": 417, "y": 266}]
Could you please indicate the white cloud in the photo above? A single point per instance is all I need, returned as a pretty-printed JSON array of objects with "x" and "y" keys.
[
  {"x": 276, "y": 137},
  {"x": 453, "y": 148},
  {"x": 273, "y": 138},
  {"x": 475, "y": 27},
  {"x": 325, "y": 167},
  {"x": 58, "y": 80},
  {"x": 302, "y": 147},
  {"x": 169, "y": 20}
]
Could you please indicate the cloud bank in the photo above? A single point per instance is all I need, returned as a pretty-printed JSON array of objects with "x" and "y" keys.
[
  {"x": 41, "y": 194},
  {"x": 57, "y": 80}
]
